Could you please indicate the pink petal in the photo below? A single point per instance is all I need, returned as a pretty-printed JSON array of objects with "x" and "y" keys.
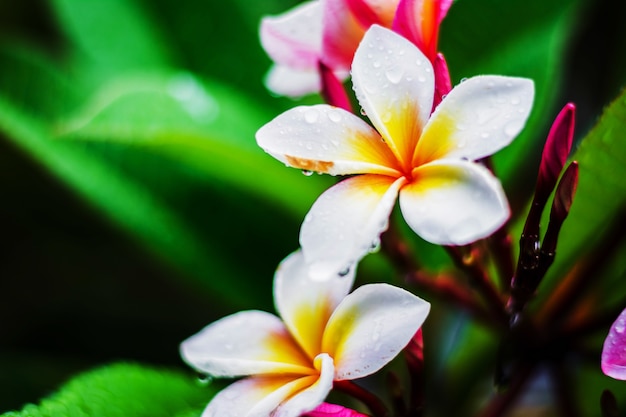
[
  {"x": 443, "y": 85},
  {"x": 294, "y": 38},
  {"x": 342, "y": 34},
  {"x": 419, "y": 20},
  {"x": 333, "y": 90},
  {"x": 370, "y": 327},
  {"x": 555, "y": 152},
  {"x": 453, "y": 202},
  {"x": 614, "y": 349},
  {"x": 332, "y": 410},
  {"x": 305, "y": 304},
  {"x": 245, "y": 343},
  {"x": 346, "y": 221}
]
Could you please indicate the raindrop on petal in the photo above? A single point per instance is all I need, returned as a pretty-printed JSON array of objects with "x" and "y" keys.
[
  {"x": 394, "y": 75},
  {"x": 344, "y": 271},
  {"x": 307, "y": 173},
  {"x": 311, "y": 116},
  {"x": 334, "y": 116}
]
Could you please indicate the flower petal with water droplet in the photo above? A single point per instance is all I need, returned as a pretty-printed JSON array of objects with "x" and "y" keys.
[
  {"x": 326, "y": 139},
  {"x": 245, "y": 343},
  {"x": 345, "y": 220},
  {"x": 370, "y": 327},
  {"x": 452, "y": 202},
  {"x": 256, "y": 396},
  {"x": 305, "y": 304},
  {"x": 477, "y": 118},
  {"x": 398, "y": 94},
  {"x": 614, "y": 349}
]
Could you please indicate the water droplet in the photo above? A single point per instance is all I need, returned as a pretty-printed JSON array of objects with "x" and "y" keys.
[
  {"x": 334, "y": 116},
  {"x": 463, "y": 79},
  {"x": 394, "y": 75},
  {"x": 363, "y": 113},
  {"x": 204, "y": 379},
  {"x": 311, "y": 116},
  {"x": 512, "y": 129},
  {"x": 620, "y": 326},
  {"x": 386, "y": 117},
  {"x": 344, "y": 271},
  {"x": 515, "y": 100},
  {"x": 376, "y": 64},
  {"x": 375, "y": 246},
  {"x": 307, "y": 173}
]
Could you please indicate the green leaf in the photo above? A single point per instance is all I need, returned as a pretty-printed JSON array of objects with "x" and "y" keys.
[
  {"x": 131, "y": 205},
  {"x": 116, "y": 34},
  {"x": 203, "y": 126},
  {"x": 123, "y": 389}
]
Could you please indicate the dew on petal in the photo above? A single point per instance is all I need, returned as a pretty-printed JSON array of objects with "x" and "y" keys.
[
  {"x": 307, "y": 173},
  {"x": 311, "y": 116},
  {"x": 334, "y": 116},
  {"x": 394, "y": 75},
  {"x": 512, "y": 128}
]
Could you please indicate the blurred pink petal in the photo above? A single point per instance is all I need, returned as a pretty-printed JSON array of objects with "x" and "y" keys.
[{"x": 614, "y": 350}]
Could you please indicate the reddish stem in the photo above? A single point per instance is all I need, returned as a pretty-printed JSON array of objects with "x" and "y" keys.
[{"x": 372, "y": 402}]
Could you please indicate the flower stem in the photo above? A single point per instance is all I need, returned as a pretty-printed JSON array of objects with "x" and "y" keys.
[
  {"x": 375, "y": 404},
  {"x": 479, "y": 279}
]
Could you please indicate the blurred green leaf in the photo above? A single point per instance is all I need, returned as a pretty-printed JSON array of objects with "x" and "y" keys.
[
  {"x": 31, "y": 81},
  {"x": 134, "y": 207},
  {"x": 116, "y": 34},
  {"x": 207, "y": 128},
  {"x": 122, "y": 389},
  {"x": 524, "y": 38}
]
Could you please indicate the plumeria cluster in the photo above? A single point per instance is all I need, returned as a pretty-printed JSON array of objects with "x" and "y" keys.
[{"x": 422, "y": 143}]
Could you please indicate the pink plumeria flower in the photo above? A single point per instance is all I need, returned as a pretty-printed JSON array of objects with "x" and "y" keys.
[
  {"x": 325, "y": 335},
  {"x": 427, "y": 160},
  {"x": 329, "y": 31},
  {"x": 614, "y": 349}
]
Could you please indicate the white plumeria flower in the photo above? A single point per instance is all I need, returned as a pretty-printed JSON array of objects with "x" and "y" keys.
[
  {"x": 427, "y": 160},
  {"x": 325, "y": 335}
]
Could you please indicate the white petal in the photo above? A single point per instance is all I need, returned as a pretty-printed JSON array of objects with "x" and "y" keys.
[
  {"x": 325, "y": 139},
  {"x": 477, "y": 118},
  {"x": 453, "y": 202},
  {"x": 306, "y": 304},
  {"x": 255, "y": 396},
  {"x": 346, "y": 221},
  {"x": 294, "y": 38},
  {"x": 309, "y": 398},
  {"x": 370, "y": 327},
  {"x": 245, "y": 343},
  {"x": 395, "y": 85},
  {"x": 292, "y": 82}
]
